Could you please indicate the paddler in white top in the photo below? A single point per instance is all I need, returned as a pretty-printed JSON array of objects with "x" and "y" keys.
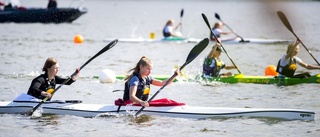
[
  {"x": 168, "y": 30},
  {"x": 217, "y": 30},
  {"x": 287, "y": 64}
]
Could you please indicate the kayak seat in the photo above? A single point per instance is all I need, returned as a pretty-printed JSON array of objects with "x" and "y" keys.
[{"x": 155, "y": 103}]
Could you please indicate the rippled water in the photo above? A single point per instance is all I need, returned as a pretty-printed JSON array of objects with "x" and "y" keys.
[{"x": 25, "y": 47}]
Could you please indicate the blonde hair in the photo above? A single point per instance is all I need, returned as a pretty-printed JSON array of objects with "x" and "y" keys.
[
  {"x": 213, "y": 50},
  {"x": 49, "y": 63},
  {"x": 291, "y": 48},
  {"x": 144, "y": 61},
  {"x": 217, "y": 24}
]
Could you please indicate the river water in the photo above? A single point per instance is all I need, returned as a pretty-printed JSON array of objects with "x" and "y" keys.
[{"x": 25, "y": 47}]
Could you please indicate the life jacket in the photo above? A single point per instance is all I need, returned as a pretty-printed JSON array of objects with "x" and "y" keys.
[
  {"x": 46, "y": 85},
  {"x": 212, "y": 71},
  {"x": 166, "y": 34},
  {"x": 143, "y": 88},
  {"x": 289, "y": 69}
]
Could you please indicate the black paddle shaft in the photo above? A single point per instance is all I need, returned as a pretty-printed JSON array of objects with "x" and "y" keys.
[
  {"x": 286, "y": 23},
  {"x": 110, "y": 45},
  {"x": 196, "y": 50}
]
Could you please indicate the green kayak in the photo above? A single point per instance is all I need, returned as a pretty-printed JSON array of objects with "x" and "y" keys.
[{"x": 240, "y": 78}]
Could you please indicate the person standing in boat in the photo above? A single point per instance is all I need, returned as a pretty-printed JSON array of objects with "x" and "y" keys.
[
  {"x": 137, "y": 86},
  {"x": 217, "y": 30},
  {"x": 212, "y": 64},
  {"x": 168, "y": 30},
  {"x": 287, "y": 64},
  {"x": 43, "y": 85},
  {"x": 52, "y": 4}
]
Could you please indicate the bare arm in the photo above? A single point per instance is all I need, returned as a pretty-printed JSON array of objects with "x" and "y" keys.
[
  {"x": 161, "y": 83},
  {"x": 307, "y": 66},
  {"x": 225, "y": 33},
  {"x": 230, "y": 67}
]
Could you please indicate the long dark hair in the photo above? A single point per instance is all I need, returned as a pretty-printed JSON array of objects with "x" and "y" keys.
[{"x": 144, "y": 61}]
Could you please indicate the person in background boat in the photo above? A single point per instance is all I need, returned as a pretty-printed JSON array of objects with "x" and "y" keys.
[
  {"x": 168, "y": 30},
  {"x": 217, "y": 30},
  {"x": 52, "y": 4},
  {"x": 43, "y": 85},
  {"x": 212, "y": 64},
  {"x": 8, "y": 6},
  {"x": 1, "y": 4},
  {"x": 287, "y": 64},
  {"x": 13, "y": 5},
  {"x": 137, "y": 86}
]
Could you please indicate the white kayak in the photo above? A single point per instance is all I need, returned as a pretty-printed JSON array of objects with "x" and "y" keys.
[
  {"x": 195, "y": 40},
  {"x": 161, "y": 107}
]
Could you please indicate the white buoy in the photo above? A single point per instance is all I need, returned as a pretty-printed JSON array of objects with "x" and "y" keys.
[{"x": 107, "y": 76}]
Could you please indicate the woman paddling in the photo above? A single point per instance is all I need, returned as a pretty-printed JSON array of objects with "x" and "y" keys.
[
  {"x": 217, "y": 30},
  {"x": 43, "y": 85},
  {"x": 287, "y": 64},
  {"x": 168, "y": 30},
  {"x": 137, "y": 86},
  {"x": 212, "y": 64}
]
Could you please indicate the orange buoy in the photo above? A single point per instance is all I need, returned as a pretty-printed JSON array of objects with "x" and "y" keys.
[
  {"x": 270, "y": 71},
  {"x": 78, "y": 39}
]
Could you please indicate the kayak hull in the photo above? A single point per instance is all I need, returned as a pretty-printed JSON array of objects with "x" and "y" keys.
[
  {"x": 194, "y": 40},
  {"x": 77, "y": 108}
]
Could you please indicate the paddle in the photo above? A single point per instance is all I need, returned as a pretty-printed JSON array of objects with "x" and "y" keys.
[
  {"x": 181, "y": 14},
  {"x": 218, "y": 17},
  {"x": 207, "y": 22},
  {"x": 286, "y": 23},
  {"x": 110, "y": 45},
  {"x": 196, "y": 50}
]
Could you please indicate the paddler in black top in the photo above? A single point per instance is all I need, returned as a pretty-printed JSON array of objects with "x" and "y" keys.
[
  {"x": 137, "y": 86},
  {"x": 43, "y": 85}
]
